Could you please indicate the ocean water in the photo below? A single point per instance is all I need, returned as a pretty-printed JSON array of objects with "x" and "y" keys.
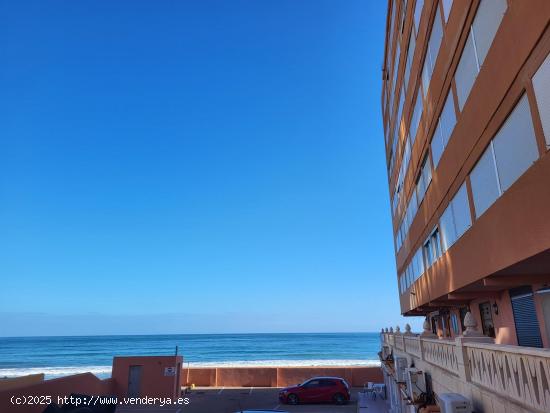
[{"x": 60, "y": 356}]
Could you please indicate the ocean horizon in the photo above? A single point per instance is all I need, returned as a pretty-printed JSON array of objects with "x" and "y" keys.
[{"x": 57, "y": 356}]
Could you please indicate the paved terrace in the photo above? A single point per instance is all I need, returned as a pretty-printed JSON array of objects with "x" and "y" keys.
[{"x": 230, "y": 400}]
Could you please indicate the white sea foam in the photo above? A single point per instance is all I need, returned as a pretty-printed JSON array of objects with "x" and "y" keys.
[
  {"x": 284, "y": 363},
  {"x": 52, "y": 372},
  {"x": 105, "y": 371}
]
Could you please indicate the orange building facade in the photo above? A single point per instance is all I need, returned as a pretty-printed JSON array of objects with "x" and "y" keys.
[{"x": 466, "y": 114}]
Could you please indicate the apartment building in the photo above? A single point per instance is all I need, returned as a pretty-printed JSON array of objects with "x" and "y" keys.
[{"x": 466, "y": 113}]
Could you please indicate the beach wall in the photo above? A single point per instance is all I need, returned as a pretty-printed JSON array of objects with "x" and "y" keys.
[
  {"x": 11, "y": 383},
  {"x": 274, "y": 376},
  {"x": 85, "y": 383}
]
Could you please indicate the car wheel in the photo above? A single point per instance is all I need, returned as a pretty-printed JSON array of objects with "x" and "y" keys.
[
  {"x": 339, "y": 398},
  {"x": 292, "y": 399}
]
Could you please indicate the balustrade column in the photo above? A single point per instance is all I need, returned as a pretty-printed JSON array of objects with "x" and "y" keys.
[{"x": 471, "y": 333}]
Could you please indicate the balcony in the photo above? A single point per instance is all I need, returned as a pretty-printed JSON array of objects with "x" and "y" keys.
[{"x": 520, "y": 375}]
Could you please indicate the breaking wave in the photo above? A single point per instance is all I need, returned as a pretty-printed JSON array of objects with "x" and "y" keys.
[{"x": 105, "y": 371}]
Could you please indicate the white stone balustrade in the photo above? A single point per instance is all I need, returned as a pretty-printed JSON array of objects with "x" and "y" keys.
[{"x": 519, "y": 374}]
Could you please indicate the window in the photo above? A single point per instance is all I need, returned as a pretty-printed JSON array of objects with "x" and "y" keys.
[
  {"x": 394, "y": 81},
  {"x": 433, "y": 50},
  {"x": 447, "y": 4},
  {"x": 406, "y": 159},
  {"x": 415, "y": 119},
  {"x": 396, "y": 134},
  {"x": 408, "y": 218},
  {"x": 432, "y": 248},
  {"x": 466, "y": 71},
  {"x": 436, "y": 244},
  {"x": 428, "y": 252},
  {"x": 515, "y": 145},
  {"x": 403, "y": 12},
  {"x": 488, "y": 17},
  {"x": 456, "y": 219},
  {"x": 461, "y": 211},
  {"x": 397, "y": 130},
  {"x": 410, "y": 56},
  {"x": 391, "y": 28},
  {"x": 395, "y": 200},
  {"x": 485, "y": 188},
  {"x": 448, "y": 229},
  {"x": 410, "y": 213},
  {"x": 418, "y": 13},
  {"x": 424, "y": 179},
  {"x": 511, "y": 152},
  {"x": 483, "y": 30},
  {"x": 418, "y": 263},
  {"x": 425, "y": 78},
  {"x": 541, "y": 84},
  {"x": 445, "y": 127},
  {"x": 435, "y": 41},
  {"x": 412, "y": 272}
]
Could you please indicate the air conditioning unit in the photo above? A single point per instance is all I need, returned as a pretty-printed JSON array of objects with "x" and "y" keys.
[
  {"x": 454, "y": 403},
  {"x": 416, "y": 383},
  {"x": 400, "y": 364}
]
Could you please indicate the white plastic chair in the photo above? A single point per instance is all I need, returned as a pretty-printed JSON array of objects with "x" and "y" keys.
[{"x": 370, "y": 389}]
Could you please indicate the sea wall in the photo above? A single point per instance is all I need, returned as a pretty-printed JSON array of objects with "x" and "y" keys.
[
  {"x": 85, "y": 383},
  {"x": 274, "y": 376},
  {"x": 11, "y": 383}
]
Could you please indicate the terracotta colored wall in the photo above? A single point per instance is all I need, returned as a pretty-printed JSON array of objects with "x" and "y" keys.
[
  {"x": 199, "y": 377},
  {"x": 254, "y": 376},
  {"x": 504, "y": 321},
  {"x": 292, "y": 376},
  {"x": 16, "y": 382},
  {"x": 275, "y": 376},
  {"x": 153, "y": 381},
  {"x": 85, "y": 383}
]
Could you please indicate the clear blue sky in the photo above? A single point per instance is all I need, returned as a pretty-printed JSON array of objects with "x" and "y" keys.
[{"x": 193, "y": 166}]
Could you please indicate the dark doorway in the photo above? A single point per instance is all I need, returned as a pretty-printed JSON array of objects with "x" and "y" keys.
[
  {"x": 487, "y": 319},
  {"x": 134, "y": 381}
]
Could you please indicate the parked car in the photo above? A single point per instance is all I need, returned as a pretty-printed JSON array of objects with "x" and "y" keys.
[{"x": 317, "y": 390}]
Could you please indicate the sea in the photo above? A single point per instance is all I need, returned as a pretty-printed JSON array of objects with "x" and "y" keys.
[{"x": 61, "y": 356}]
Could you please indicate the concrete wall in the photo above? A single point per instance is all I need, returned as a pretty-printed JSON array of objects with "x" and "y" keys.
[
  {"x": 154, "y": 381},
  {"x": 85, "y": 383},
  {"x": 274, "y": 376},
  {"x": 16, "y": 382}
]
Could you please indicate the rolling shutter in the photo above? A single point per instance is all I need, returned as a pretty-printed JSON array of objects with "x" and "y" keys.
[{"x": 525, "y": 317}]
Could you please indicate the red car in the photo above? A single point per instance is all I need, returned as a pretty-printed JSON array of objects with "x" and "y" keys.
[{"x": 317, "y": 390}]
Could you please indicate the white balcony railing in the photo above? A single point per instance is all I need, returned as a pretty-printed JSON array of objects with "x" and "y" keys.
[
  {"x": 519, "y": 374},
  {"x": 442, "y": 353}
]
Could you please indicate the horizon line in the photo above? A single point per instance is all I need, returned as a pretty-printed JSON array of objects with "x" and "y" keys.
[{"x": 187, "y": 334}]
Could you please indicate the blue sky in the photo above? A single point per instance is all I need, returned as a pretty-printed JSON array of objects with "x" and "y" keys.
[{"x": 197, "y": 166}]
